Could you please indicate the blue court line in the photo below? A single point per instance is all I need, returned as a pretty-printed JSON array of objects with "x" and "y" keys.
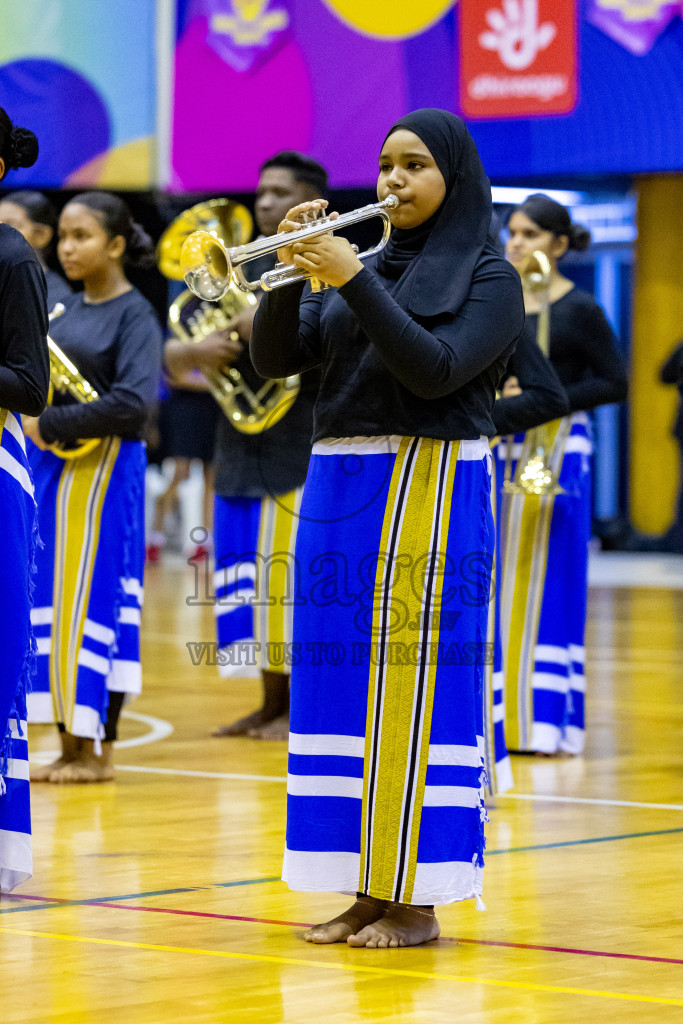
[
  {"x": 275, "y": 878},
  {"x": 583, "y": 842},
  {"x": 129, "y": 896},
  {"x": 247, "y": 881}
]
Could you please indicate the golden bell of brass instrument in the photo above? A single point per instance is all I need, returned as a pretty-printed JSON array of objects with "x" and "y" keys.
[
  {"x": 191, "y": 319},
  {"x": 65, "y": 378},
  {"x": 210, "y": 267},
  {"x": 540, "y": 458}
]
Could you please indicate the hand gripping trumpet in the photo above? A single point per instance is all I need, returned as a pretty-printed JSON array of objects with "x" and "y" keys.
[
  {"x": 65, "y": 378},
  {"x": 209, "y": 267}
]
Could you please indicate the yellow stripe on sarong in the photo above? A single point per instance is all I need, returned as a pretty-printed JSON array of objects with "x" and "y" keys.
[
  {"x": 80, "y": 497},
  {"x": 526, "y": 531},
  {"x": 401, "y": 692},
  {"x": 3, "y": 417},
  {"x": 275, "y": 579}
]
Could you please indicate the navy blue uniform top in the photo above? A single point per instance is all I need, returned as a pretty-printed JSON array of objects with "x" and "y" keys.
[
  {"x": 386, "y": 372},
  {"x": 542, "y": 399},
  {"x": 24, "y": 364},
  {"x": 116, "y": 345},
  {"x": 57, "y": 288},
  {"x": 583, "y": 350}
]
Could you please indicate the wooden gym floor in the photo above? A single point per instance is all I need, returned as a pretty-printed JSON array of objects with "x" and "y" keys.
[{"x": 156, "y": 898}]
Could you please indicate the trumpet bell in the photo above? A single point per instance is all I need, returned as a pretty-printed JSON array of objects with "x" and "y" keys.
[
  {"x": 205, "y": 266},
  {"x": 221, "y": 218},
  {"x": 535, "y": 478},
  {"x": 535, "y": 272}
]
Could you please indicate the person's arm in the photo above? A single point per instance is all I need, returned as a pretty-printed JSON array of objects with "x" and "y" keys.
[
  {"x": 432, "y": 364},
  {"x": 606, "y": 381},
  {"x": 286, "y": 335},
  {"x": 124, "y": 408},
  {"x": 24, "y": 360},
  {"x": 672, "y": 370},
  {"x": 542, "y": 396}
]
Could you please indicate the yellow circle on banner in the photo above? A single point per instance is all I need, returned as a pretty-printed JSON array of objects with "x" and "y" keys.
[{"x": 390, "y": 19}]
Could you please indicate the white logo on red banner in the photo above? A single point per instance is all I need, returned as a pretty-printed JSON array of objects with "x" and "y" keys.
[{"x": 517, "y": 59}]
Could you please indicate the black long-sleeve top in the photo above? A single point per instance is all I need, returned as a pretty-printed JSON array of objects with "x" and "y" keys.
[
  {"x": 24, "y": 363},
  {"x": 583, "y": 351},
  {"x": 672, "y": 373},
  {"x": 116, "y": 346},
  {"x": 385, "y": 372},
  {"x": 542, "y": 399}
]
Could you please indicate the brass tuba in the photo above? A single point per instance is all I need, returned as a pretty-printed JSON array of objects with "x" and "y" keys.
[
  {"x": 540, "y": 459},
  {"x": 65, "y": 378},
  {"x": 191, "y": 319}
]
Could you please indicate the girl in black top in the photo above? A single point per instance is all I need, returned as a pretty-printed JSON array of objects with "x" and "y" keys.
[
  {"x": 91, "y": 508},
  {"x": 24, "y": 378},
  {"x": 546, "y": 540},
  {"x": 34, "y": 216},
  {"x": 386, "y": 778}
]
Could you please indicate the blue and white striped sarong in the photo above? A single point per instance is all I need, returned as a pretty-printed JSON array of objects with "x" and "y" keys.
[
  {"x": 543, "y": 606},
  {"x": 386, "y": 755},
  {"x": 499, "y": 767},
  {"x": 88, "y": 595},
  {"x": 254, "y": 575},
  {"x": 16, "y": 651}
]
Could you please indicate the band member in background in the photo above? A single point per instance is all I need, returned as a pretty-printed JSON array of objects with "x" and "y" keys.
[
  {"x": 258, "y": 482},
  {"x": 531, "y": 395},
  {"x": 672, "y": 373},
  {"x": 545, "y": 562},
  {"x": 35, "y": 217},
  {"x": 386, "y": 773},
  {"x": 24, "y": 380},
  {"x": 88, "y": 596}
]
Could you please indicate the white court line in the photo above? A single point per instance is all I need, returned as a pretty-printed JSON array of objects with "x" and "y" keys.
[
  {"x": 502, "y": 796},
  {"x": 200, "y": 775},
  {"x": 589, "y": 800},
  {"x": 159, "y": 730}
]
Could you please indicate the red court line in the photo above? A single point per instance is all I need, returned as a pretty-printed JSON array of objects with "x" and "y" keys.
[{"x": 305, "y": 924}]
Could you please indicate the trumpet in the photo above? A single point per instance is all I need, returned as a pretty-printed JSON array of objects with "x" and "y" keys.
[
  {"x": 541, "y": 456},
  {"x": 65, "y": 378},
  {"x": 209, "y": 267}
]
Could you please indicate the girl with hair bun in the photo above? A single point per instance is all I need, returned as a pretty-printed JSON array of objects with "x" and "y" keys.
[
  {"x": 24, "y": 380},
  {"x": 88, "y": 597},
  {"x": 34, "y": 216},
  {"x": 545, "y": 561}
]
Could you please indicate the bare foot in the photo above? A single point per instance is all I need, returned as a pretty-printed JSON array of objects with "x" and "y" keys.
[
  {"x": 363, "y": 912},
  {"x": 402, "y": 925},
  {"x": 71, "y": 751},
  {"x": 242, "y": 726},
  {"x": 278, "y": 729},
  {"x": 91, "y": 769}
]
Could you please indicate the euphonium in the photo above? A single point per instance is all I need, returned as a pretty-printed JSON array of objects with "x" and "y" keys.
[
  {"x": 209, "y": 267},
  {"x": 540, "y": 459},
  {"x": 65, "y": 378},
  {"x": 225, "y": 222}
]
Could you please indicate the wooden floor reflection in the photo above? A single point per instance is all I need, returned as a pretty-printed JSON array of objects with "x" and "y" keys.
[{"x": 157, "y": 898}]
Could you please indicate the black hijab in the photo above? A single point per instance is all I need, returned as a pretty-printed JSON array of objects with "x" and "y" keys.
[{"x": 436, "y": 260}]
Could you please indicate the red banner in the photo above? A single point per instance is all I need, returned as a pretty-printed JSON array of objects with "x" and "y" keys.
[{"x": 517, "y": 58}]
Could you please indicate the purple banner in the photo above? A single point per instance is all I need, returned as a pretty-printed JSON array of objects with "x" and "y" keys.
[
  {"x": 634, "y": 24},
  {"x": 243, "y": 33}
]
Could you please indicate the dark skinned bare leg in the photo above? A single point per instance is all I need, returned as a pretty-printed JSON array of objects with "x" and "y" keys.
[{"x": 275, "y": 706}]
